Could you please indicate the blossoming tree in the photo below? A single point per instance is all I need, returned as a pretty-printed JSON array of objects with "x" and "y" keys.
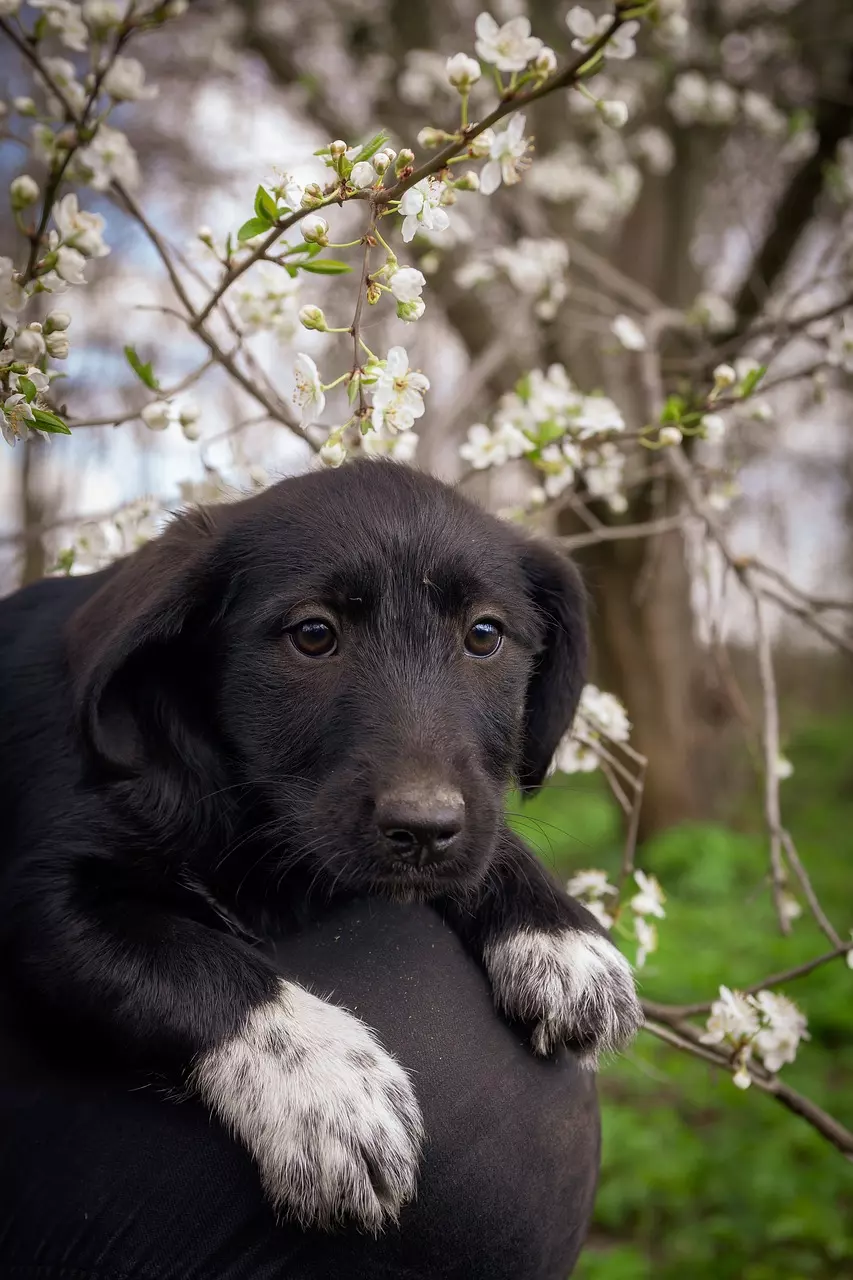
[{"x": 616, "y": 439}]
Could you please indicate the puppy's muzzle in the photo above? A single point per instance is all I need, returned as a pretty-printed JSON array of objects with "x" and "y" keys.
[{"x": 420, "y": 824}]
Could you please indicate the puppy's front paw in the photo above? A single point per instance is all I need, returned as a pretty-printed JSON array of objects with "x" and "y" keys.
[
  {"x": 330, "y": 1118},
  {"x": 574, "y": 986}
]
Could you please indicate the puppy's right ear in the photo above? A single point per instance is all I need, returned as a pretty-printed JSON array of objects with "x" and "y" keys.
[{"x": 121, "y": 642}]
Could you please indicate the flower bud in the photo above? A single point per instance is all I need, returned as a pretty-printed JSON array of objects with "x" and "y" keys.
[
  {"x": 469, "y": 181},
  {"x": 337, "y": 149},
  {"x": 462, "y": 71},
  {"x": 363, "y": 175},
  {"x": 28, "y": 345},
  {"x": 315, "y": 230},
  {"x": 58, "y": 346},
  {"x": 404, "y": 159},
  {"x": 205, "y": 235},
  {"x": 24, "y": 106},
  {"x": 614, "y": 113},
  {"x": 390, "y": 153},
  {"x": 57, "y": 322},
  {"x": 724, "y": 377},
  {"x": 333, "y": 452},
  {"x": 545, "y": 61},
  {"x": 432, "y": 138},
  {"x": 312, "y": 318},
  {"x": 381, "y": 161},
  {"x": 157, "y": 416},
  {"x": 312, "y": 192},
  {"x": 670, "y": 435},
  {"x": 23, "y": 192},
  {"x": 188, "y": 416},
  {"x": 411, "y": 310},
  {"x": 480, "y": 146}
]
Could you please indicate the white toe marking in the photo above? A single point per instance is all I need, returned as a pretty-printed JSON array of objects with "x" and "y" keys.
[
  {"x": 329, "y": 1116},
  {"x": 574, "y": 985}
]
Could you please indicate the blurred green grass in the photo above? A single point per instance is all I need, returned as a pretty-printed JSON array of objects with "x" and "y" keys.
[{"x": 700, "y": 1181}]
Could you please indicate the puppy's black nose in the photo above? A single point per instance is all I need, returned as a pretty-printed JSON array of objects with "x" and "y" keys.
[{"x": 420, "y": 823}]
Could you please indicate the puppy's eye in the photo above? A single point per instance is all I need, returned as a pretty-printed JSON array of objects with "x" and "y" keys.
[
  {"x": 314, "y": 637},
  {"x": 483, "y": 638}
]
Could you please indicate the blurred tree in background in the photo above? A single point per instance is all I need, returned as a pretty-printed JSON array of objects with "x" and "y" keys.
[{"x": 681, "y": 241}]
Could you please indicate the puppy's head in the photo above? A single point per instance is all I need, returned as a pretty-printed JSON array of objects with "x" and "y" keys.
[{"x": 358, "y": 662}]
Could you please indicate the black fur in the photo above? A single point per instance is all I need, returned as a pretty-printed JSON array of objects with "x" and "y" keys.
[{"x": 173, "y": 771}]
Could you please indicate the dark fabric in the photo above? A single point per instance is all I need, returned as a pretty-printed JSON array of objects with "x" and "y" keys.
[{"x": 108, "y": 1178}]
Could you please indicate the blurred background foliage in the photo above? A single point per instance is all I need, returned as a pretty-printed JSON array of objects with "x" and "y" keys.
[{"x": 698, "y": 1180}]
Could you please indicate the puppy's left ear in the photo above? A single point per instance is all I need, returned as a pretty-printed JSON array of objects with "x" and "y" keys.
[{"x": 556, "y": 589}]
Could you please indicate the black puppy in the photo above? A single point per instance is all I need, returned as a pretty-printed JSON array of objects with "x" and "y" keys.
[{"x": 333, "y": 684}]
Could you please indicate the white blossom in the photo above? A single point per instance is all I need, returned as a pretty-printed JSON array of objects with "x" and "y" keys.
[
  {"x": 384, "y": 444},
  {"x": 12, "y": 296},
  {"x": 509, "y": 47},
  {"x": 269, "y": 300},
  {"x": 15, "y": 416},
  {"x": 603, "y": 713},
  {"x": 763, "y": 115},
  {"x": 783, "y": 1026},
  {"x": 650, "y": 898},
  {"x": 80, "y": 230},
  {"x": 646, "y": 935},
  {"x": 462, "y": 71},
  {"x": 597, "y": 415},
  {"x": 628, "y": 333},
  {"x": 655, "y": 148},
  {"x": 398, "y": 392},
  {"x": 507, "y": 149},
  {"x": 64, "y": 19},
  {"x": 125, "y": 81},
  {"x": 724, "y": 377},
  {"x": 588, "y": 29},
  {"x": 107, "y": 157},
  {"x": 487, "y": 448},
  {"x": 407, "y": 284},
  {"x": 733, "y": 1019},
  {"x": 29, "y": 345},
  {"x": 308, "y": 394},
  {"x": 58, "y": 346},
  {"x": 420, "y": 206},
  {"x": 537, "y": 268},
  {"x": 591, "y": 883},
  {"x": 572, "y": 756},
  {"x": 783, "y": 768},
  {"x": 69, "y": 265}
]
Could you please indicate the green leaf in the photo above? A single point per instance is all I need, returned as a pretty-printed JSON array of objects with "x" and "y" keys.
[
  {"x": 28, "y": 387},
  {"x": 144, "y": 372},
  {"x": 673, "y": 410},
  {"x": 370, "y": 148},
  {"x": 265, "y": 205},
  {"x": 311, "y": 250},
  {"x": 752, "y": 380},
  {"x": 49, "y": 422},
  {"x": 65, "y": 560},
  {"x": 324, "y": 267},
  {"x": 547, "y": 432},
  {"x": 254, "y": 227}
]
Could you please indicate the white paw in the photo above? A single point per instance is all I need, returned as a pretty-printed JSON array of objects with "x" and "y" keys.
[
  {"x": 330, "y": 1118},
  {"x": 574, "y": 986}
]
